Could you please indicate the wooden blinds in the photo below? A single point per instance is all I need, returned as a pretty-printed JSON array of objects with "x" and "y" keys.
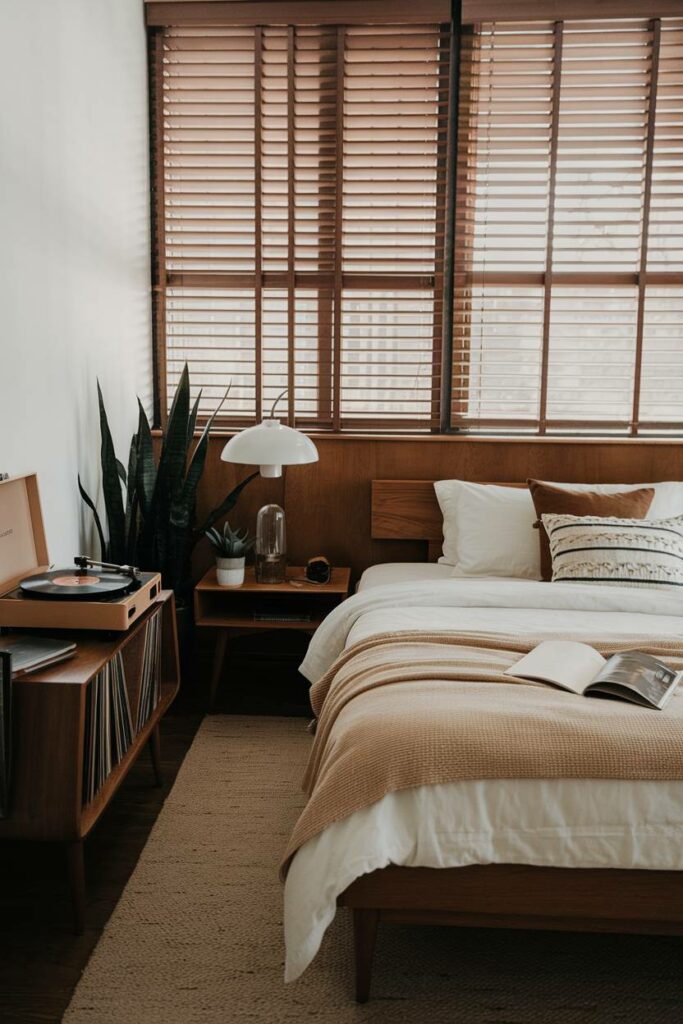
[
  {"x": 569, "y": 227},
  {"x": 299, "y": 182}
]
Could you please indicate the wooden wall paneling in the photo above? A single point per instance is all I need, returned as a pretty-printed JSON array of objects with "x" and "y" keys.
[
  {"x": 404, "y": 509},
  {"x": 295, "y": 12},
  {"x": 552, "y": 10},
  {"x": 328, "y": 503}
]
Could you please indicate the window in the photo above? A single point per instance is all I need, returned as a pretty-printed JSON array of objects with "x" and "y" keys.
[
  {"x": 303, "y": 239},
  {"x": 300, "y": 177},
  {"x": 569, "y": 236}
]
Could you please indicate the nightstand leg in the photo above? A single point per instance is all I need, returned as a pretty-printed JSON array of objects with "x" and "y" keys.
[
  {"x": 155, "y": 753},
  {"x": 76, "y": 865},
  {"x": 218, "y": 659}
]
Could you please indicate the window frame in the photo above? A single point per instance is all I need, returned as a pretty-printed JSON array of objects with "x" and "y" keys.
[
  {"x": 548, "y": 280},
  {"x": 333, "y": 284},
  {"x": 448, "y": 375}
]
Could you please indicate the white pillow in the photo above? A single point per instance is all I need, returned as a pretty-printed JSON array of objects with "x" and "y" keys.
[
  {"x": 488, "y": 529},
  {"x": 618, "y": 552}
]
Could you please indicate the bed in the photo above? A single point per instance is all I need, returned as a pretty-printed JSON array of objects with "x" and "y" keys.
[{"x": 600, "y": 854}]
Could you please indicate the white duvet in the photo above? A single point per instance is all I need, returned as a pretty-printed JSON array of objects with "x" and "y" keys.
[{"x": 562, "y": 823}]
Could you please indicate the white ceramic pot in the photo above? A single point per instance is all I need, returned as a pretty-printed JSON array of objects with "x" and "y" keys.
[{"x": 230, "y": 571}]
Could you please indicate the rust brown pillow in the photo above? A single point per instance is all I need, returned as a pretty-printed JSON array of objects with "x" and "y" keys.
[{"x": 557, "y": 501}]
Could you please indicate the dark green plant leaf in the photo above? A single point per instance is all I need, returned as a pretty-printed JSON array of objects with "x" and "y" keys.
[
  {"x": 146, "y": 466},
  {"x": 132, "y": 502},
  {"x": 98, "y": 525},
  {"x": 121, "y": 470},
  {"x": 193, "y": 419},
  {"x": 226, "y": 505},
  {"x": 183, "y": 507},
  {"x": 159, "y": 548},
  {"x": 173, "y": 456},
  {"x": 167, "y": 492},
  {"x": 111, "y": 488}
]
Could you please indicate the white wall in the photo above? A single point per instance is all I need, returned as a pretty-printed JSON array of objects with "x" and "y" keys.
[{"x": 74, "y": 244}]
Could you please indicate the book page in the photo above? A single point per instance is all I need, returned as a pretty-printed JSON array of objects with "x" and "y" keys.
[
  {"x": 564, "y": 663},
  {"x": 637, "y": 676}
]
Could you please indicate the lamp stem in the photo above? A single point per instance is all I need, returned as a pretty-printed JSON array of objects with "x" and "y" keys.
[{"x": 278, "y": 399}]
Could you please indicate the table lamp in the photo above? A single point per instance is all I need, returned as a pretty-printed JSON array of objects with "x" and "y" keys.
[{"x": 270, "y": 445}]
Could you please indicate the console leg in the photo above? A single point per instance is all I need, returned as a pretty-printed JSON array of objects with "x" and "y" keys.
[
  {"x": 365, "y": 923},
  {"x": 155, "y": 753},
  {"x": 217, "y": 670},
  {"x": 76, "y": 868}
]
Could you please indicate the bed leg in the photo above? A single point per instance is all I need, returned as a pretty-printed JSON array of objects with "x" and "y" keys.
[{"x": 365, "y": 923}]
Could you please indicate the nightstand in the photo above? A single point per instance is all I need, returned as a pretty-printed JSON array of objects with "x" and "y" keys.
[{"x": 294, "y": 604}]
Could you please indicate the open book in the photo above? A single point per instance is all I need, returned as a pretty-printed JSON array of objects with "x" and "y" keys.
[{"x": 577, "y": 667}]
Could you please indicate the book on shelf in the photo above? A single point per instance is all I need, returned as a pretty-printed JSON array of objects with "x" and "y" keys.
[
  {"x": 31, "y": 653},
  {"x": 629, "y": 675}
]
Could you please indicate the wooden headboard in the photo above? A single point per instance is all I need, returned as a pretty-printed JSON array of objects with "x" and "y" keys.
[{"x": 408, "y": 510}]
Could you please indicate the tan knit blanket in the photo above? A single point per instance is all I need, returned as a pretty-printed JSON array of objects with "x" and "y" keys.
[{"x": 412, "y": 709}]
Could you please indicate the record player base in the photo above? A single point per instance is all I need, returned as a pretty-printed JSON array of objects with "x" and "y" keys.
[{"x": 50, "y": 740}]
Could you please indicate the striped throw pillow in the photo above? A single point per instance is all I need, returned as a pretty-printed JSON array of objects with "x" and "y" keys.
[{"x": 626, "y": 552}]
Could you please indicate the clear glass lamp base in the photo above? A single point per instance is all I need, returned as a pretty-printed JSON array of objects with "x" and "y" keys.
[{"x": 270, "y": 568}]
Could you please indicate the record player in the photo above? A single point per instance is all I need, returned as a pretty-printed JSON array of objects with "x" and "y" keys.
[{"x": 86, "y": 595}]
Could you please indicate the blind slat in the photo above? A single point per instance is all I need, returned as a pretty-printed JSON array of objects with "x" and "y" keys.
[
  {"x": 303, "y": 176},
  {"x": 570, "y": 215}
]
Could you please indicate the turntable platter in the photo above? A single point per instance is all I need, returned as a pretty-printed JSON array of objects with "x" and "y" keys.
[{"x": 71, "y": 585}]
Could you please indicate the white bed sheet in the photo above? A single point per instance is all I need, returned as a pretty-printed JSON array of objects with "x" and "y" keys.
[
  {"x": 555, "y": 822},
  {"x": 403, "y": 572}
]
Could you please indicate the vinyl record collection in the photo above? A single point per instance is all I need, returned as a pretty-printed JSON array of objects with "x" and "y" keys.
[
  {"x": 151, "y": 670},
  {"x": 109, "y": 728}
]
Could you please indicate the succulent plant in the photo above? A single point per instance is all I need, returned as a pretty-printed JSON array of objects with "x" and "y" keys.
[
  {"x": 230, "y": 543},
  {"x": 155, "y": 527}
]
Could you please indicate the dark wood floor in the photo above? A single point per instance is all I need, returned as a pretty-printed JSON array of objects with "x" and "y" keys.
[{"x": 41, "y": 959}]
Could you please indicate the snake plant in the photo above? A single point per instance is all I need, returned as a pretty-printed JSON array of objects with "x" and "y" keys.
[{"x": 150, "y": 506}]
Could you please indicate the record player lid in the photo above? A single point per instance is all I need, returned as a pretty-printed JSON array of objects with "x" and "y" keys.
[{"x": 23, "y": 548}]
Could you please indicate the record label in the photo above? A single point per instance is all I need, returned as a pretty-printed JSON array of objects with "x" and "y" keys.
[{"x": 74, "y": 581}]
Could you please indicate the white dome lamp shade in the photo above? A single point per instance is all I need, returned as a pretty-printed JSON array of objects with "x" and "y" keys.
[{"x": 270, "y": 445}]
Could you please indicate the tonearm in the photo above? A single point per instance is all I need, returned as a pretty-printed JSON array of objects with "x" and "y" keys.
[{"x": 83, "y": 563}]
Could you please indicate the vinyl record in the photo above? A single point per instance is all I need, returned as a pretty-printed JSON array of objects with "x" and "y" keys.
[{"x": 69, "y": 585}]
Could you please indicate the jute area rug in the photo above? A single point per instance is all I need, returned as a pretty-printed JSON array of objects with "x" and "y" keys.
[{"x": 197, "y": 934}]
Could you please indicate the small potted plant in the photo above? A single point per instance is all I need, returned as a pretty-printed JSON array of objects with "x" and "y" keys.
[{"x": 232, "y": 547}]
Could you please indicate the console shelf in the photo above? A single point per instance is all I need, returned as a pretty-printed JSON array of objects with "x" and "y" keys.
[{"x": 50, "y": 733}]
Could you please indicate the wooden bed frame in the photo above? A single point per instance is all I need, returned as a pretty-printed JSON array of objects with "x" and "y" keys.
[{"x": 495, "y": 895}]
